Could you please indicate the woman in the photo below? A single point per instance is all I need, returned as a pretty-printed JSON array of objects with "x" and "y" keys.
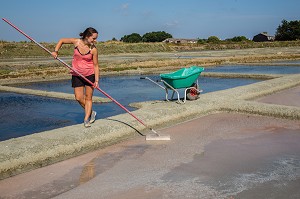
[{"x": 85, "y": 62}]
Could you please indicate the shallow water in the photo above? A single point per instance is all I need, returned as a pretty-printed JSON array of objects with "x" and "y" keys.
[
  {"x": 255, "y": 69},
  {"x": 265, "y": 166},
  {"x": 128, "y": 89},
  {"x": 24, "y": 114}
]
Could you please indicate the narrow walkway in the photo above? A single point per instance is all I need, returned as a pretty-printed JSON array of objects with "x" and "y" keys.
[{"x": 58, "y": 95}]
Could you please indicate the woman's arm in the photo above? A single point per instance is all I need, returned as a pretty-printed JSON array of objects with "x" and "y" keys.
[
  {"x": 61, "y": 42},
  {"x": 96, "y": 66}
]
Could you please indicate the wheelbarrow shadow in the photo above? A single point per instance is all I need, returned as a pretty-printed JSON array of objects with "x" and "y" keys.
[{"x": 127, "y": 125}]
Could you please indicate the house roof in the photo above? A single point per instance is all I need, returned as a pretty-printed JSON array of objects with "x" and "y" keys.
[
  {"x": 266, "y": 34},
  {"x": 179, "y": 39}
]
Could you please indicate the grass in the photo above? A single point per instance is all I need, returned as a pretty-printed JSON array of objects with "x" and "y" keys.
[
  {"x": 12, "y": 68},
  {"x": 30, "y": 49}
]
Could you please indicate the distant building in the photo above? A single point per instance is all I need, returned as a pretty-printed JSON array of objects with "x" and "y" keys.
[
  {"x": 261, "y": 37},
  {"x": 180, "y": 41}
]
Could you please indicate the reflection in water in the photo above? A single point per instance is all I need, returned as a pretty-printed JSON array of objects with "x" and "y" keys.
[{"x": 88, "y": 172}]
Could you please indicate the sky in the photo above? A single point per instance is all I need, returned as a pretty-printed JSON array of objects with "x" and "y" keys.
[{"x": 50, "y": 20}]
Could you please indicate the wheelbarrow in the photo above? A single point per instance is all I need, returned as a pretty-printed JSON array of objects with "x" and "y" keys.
[{"x": 185, "y": 78}]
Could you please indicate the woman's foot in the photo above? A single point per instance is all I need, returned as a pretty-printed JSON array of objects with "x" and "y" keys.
[
  {"x": 93, "y": 116},
  {"x": 86, "y": 124}
]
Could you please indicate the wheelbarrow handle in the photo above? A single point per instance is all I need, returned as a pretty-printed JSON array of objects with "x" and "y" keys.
[{"x": 155, "y": 82}]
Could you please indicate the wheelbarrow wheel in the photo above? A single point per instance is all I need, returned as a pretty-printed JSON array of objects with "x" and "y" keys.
[{"x": 192, "y": 93}]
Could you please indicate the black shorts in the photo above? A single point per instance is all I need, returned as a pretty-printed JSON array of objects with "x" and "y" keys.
[{"x": 78, "y": 81}]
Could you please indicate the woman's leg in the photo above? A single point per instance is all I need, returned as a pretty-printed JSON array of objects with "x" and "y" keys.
[
  {"x": 88, "y": 101},
  {"x": 79, "y": 95}
]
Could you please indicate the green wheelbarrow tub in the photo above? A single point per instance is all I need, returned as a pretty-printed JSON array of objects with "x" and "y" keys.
[{"x": 182, "y": 78}]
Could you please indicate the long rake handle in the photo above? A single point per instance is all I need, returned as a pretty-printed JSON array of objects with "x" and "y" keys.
[{"x": 74, "y": 70}]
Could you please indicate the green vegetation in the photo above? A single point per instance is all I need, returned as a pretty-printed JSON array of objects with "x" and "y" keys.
[
  {"x": 238, "y": 39},
  {"x": 10, "y": 50},
  {"x": 158, "y": 36},
  {"x": 288, "y": 31},
  {"x": 216, "y": 40},
  {"x": 213, "y": 39},
  {"x": 12, "y": 64},
  {"x": 132, "y": 38}
]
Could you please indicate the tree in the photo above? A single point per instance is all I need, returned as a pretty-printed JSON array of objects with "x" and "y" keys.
[
  {"x": 132, "y": 38},
  {"x": 201, "y": 41},
  {"x": 158, "y": 36},
  {"x": 238, "y": 39},
  {"x": 288, "y": 31},
  {"x": 213, "y": 39}
]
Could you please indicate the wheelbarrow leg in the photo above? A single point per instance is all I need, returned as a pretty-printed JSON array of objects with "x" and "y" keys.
[
  {"x": 173, "y": 95},
  {"x": 174, "y": 90},
  {"x": 185, "y": 95},
  {"x": 167, "y": 99},
  {"x": 178, "y": 98},
  {"x": 168, "y": 86}
]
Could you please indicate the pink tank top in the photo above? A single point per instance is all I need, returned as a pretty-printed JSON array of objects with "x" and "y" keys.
[{"x": 82, "y": 63}]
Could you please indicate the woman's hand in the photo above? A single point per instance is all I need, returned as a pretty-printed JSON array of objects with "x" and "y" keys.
[
  {"x": 54, "y": 54},
  {"x": 96, "y": 84}
]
